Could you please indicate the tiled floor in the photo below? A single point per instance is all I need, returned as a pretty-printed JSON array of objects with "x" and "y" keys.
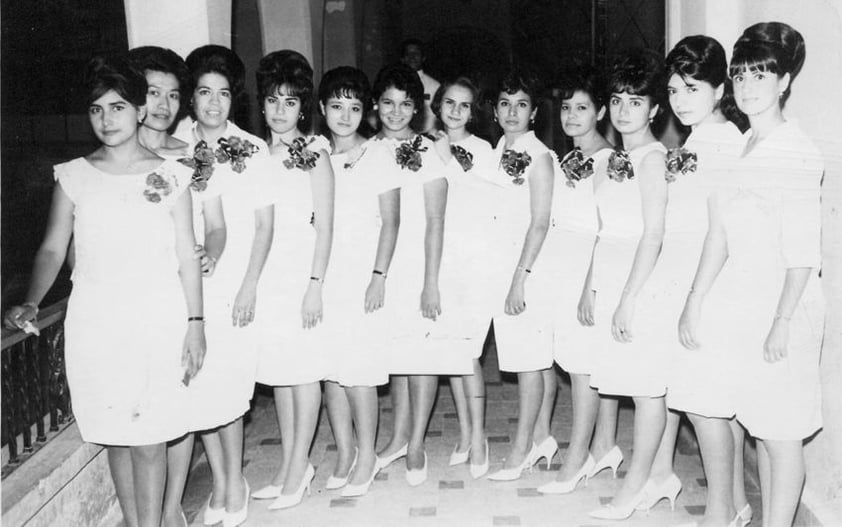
[{"x": 449, "y": 497}]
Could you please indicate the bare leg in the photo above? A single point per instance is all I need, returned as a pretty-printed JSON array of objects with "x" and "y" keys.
[
  {"x": 286, "y": 424},
  {"x": 605, "y": 435},
  {"x": 717, "y": 448},
  {"x": 737, "y": 432},
  {"x": 530, "y": 397},
  {"x": 179, "y": 453},
  {"x": 149, "y": 475},
  {"x": 585, "y": 405},
  {"x": 216, "y": 461},
  {"x": 422, "y": 397},
  {"x": 545, "y": 413},
  {"x": 306, "y": 401},
  {"x": 460, "y": 401},
  {"x": 120, "y": 463},
  {"x": 475, "y": 393},
  {"x": 399, "y": 388},
  {"x": 649, "y": 422},
  {"x": 662, "y": 466},
  {"x": 765, "y": 471},
  {"x": 786, "y": 464},
  {"x": 231, "y": 437},
  {"x": 363, "y": 401},
  {"x": 339, "y": 415}
]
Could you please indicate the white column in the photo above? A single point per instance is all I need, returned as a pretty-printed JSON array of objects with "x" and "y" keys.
[
  {"x": 287, "y": 25},
  {"x": 181, "y": 25}
]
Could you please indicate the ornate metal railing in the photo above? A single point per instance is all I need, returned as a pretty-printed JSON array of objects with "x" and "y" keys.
[{"x": 36, "y": 400}]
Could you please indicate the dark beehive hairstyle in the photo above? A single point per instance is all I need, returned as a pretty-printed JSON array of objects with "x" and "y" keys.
[
  {"x": 702, "y": 58},
  {"x": 403, "y": 78},
  {"x": 290, "y": 69},
  {"x": 774, "y": 47},
  {"x": 154, "y": 58},
  {"x": 462, "y": 81},
  {"x": 522, "y": 78},
  {"x": 639, "y": 72},
  {"x": 114, "y": 73},
  {"x": 584, "y": 78},
  {"x": 349, "y": 83},
  {"x": 222, "y": 61}
]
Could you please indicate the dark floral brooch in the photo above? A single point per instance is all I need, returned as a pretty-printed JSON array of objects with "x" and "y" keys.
[
  {"x": 157, "y": 187},
  {"x": 300, "y": 156},
  {"x": 236, "y": 151},
  {"x": 576, "y": 167},
  {"x": 202, "y": 165},
  {"x": 515, "y": 164},
  {"x": 679, "y": 161},
  {"x": 408, "y": 154},
  {"x": 620, "y": 166},
  {"x": 463, "y": 157}
]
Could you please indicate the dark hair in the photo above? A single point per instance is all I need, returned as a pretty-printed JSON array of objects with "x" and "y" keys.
[
  {"x": 522, "y": 78},
  {"x": 155, "y": 58},
  {"x": 769, "y": 46},
  {"x": 403, "y": 78},
  {"x": 584, "y": 78},
  {"x": 639, "y": 72},
  {"x": 411, "y": 42},
  {"x": 222, "y": 61},
  {"x": 464, "y": 82},
  {"x": 291, "y": 69},
  {"x": 349, "y": 83},
  {"x": 702, "y": 58},
  {"x": 114, "y": 73}
]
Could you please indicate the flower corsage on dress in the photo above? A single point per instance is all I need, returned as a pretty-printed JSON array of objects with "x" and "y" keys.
[
  {"x": 408, "y": 154},
  {"x": 515, "y": 165},
  {"x": 463, "y": 157},
  {"x": 679, "y": 161},
  {"x": 576, "y": 167},
  {"x": 300, "y": 156},
  {"x": 230, "y": 150},
  {"x": 158, "y": 186},
  {"x": 620, "y": 166}
]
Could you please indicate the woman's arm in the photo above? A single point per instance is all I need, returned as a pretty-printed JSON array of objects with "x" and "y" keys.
[
  {"x": 540, "y": 204},
  {"x": 242, "y": 313},
  {"x": 322, "y": 186},
  {"x": 713, "y": 258},
  {"x": 390, "y": 221},
  {"x": 48, "y": 259},
  {"x": 215, "y": 235},
  {"x": 435, "y": 204},
  {"x": 775, "y": 347},
  {"x": 653, "y": 197},
  {"x": 587, "y": 300},
  {"x": 190, "y": 272}
]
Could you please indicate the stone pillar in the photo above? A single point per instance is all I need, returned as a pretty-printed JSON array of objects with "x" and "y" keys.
[
  {"x": 181, "y": 26},
  {"x": 289, "y": 25}
]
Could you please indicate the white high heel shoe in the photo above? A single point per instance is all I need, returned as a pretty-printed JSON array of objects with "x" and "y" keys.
[
  {"x": 511, "y": 474},
  {"x": 458, "y": 458},
  {"x": 478, "y": 471},
  {"x": 383, "y": 462},
  {"x": 285, "y": 501},
  {"x": 269, "y": 492},
  {"x": 547, "y": 450},
  {"x": 417, "y": 477},
  {"x": 613, "y": 512},
  {"x": 669, "y": 489},
  {"x": 335, "y": 482},
  {"x": 565, "y": 487},
  {"x": 744, "y": 516},
  {"x": 611, "y": 460},
  {"x": 233, "y": 519},
  {"x": 212, "y": 516},
  {"x": 353, "y": 491}
]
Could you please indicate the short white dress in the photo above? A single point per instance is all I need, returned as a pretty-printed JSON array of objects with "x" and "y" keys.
[
  {"x": 636, "y": 368},
  {"x": 569, "y": 246},
  {"x": 699, "y": 381},
  {"x": 223, "y": 389},
  {"x": 525, "y": 341},
  {"x": 773, "y": 223},
  {"x": 127, "y": 315},
  {"x": 472, "y": 201},
  {"x": 289, "y": 353},
  {"x": 416, "y": 345},
  {"x": 355, "y": 338}
]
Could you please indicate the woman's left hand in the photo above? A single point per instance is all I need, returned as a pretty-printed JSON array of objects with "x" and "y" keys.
[
  {"x": 311, "y": 306},
  {"x": 430, "y": 303},
  {"x": 621, "y": 323},
  {"x": 516, "y": 299},
  {"x": 193, "y": 352},
  {"x": 775, "y": 347},
  {"x": 244, "y": 304}
]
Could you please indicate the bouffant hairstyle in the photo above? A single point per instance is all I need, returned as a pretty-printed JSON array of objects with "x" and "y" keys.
[
  {"x": 155, "y": 58},
  {"x": 403, "y": 78},
  {"x": 774, "y": 47},
  {"x": 346, "y": 82},
  {"x": 222, "y": 61},
  {"x": 114, "y": 73},
  {"x": 702, "y": 58},
  {"x": 290, "y": 70},
  {"x": 463, "y": 82},
  {"x": 584, "y": 78},
  {"x": 639, "y": 72},
  {"x": 522, "y": 78}
]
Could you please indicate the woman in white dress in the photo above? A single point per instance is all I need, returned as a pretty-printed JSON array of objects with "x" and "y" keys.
[
  {"x": 523, "y": 334},
  {"x": 134, "y": 282},
  {"x": 169, "y": 83},
  {"x": 766, "y": 231},
  {"x": 570, "y": 244},
  {"x": 365, "y": 233},
  {"x": 701, "y": 97},
  {"x": 227, "y": 160},
  {"x": 632, "y": 204},
  {"x": 416, "y": 341},
  {"x": 468, "y": 239},
  {"x": 292, "y": 353}
]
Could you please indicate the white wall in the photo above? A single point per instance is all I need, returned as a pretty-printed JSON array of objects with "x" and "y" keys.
[{"x": 181, "y": 25}]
